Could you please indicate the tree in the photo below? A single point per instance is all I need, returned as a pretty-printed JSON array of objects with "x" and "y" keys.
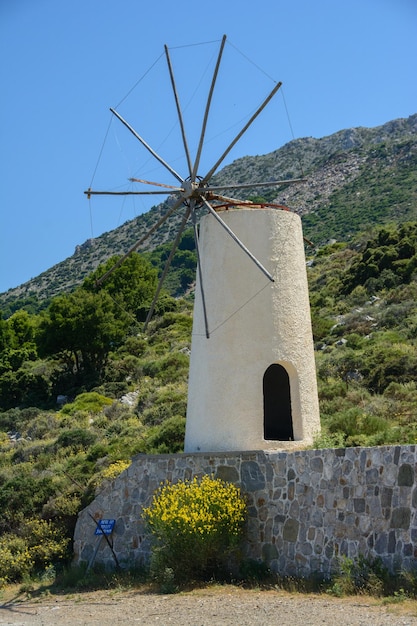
[
  {"x": 132, "y": 285},
  {"x": 82, "y": 327},
  {"x": 22, "y": 326},
  {"x": 5, "y": 335}
]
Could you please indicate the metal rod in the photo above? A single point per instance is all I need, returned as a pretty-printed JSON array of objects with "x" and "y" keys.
[
  {"x": 244, "y": 203},
  {"x": 237, "y": 240},
  {"x": 107, "y": 540},
  {"x": 147, "y": 146},
  {"x": 271, "y": 183},
  {"x": 180, "y": 118},
  {"x": 166, "y": 268},
  {"x": 176, "y": 190},
  {"x": 239, "y": 135},
  {"x": 140, "y": 242},
  {"x": 206, "y": 113},
  {"x": 91, "y": 192},
  {"x": 151, "y": 182},
  {"x": 228, "y": 199},
  {"x": 200, "y": 271}
]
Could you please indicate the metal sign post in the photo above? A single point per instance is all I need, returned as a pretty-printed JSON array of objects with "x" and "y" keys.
[{"x": 104, "y": 529}]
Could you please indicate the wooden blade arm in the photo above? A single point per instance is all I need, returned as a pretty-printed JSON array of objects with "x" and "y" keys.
[
  {"x": 239, "y": 135},
  {"x": 180, "y": 118},
  {"x": 147, "y": 146},
  {"x": 206, "y": 113},
  {"x": 271, "y": 183}
]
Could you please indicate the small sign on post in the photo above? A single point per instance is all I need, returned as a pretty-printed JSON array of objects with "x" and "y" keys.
[{"x": 104, "y": 526}]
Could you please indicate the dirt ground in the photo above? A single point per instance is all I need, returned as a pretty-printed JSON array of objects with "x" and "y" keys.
[{"x": 213, "y": 606}]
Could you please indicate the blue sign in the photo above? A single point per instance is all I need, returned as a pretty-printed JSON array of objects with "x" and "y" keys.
[{"x": 105, "y": 526}]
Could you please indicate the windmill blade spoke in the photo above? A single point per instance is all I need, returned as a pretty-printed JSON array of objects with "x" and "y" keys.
[
  {"x": 193, "y": 191},
  {"x": 234, "y": 201},
  {"x": 91, "y": 192},
  {"x": 271, "y": 183},
  {"x": 180, "y": 118},
  {"x": 151, "y": 182},
  {"x": 237, "y": 240},
  {"x": 141, "y": 241},
  {"x": 147, "y": 146},
  {"x": 200, "y": 273},
  {"x": 206, "y": 113},
  {"x": 167, "y": 266},
  {"x": 239, "y": 135},
  {"x": 227, "y": 199}
]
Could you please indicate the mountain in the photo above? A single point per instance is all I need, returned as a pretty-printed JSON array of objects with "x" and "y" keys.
[{"x": 354, "y": 179}]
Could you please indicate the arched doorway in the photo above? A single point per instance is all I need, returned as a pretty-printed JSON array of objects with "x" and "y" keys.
[{"x": 277, "y": 404}]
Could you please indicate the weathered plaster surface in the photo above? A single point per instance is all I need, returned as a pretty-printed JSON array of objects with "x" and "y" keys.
[{"x": 253, "y": 323}]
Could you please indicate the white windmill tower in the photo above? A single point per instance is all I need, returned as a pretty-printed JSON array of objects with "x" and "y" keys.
[{"x": 252, "y": 381}]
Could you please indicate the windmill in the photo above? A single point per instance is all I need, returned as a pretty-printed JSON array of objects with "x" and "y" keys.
[{"x": 285, "y": 414}]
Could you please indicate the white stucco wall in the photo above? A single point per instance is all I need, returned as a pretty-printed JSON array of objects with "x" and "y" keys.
[{"x": 253, "y": 323}]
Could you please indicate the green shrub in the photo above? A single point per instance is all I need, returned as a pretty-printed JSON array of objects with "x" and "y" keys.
[
  {"x": 255, "y": 572},
  {"x": 196, "y": 525},
  {"x": 158, "y": 405},
  {"x": 171, "y": 367},
  {"x": 360, "y": 575},
  {"x": 22, "y": 495},
  {"x": 167, "y": 438},
  {"x": 357, "y": 426},
  {"x": 76, "y": 439},
  {"x": 91, "y": 402}
]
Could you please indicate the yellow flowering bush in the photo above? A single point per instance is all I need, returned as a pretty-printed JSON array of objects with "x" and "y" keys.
[
  {"x": 46, "y": 542},
  {"x": 15, "y": 559},
  {"x": 37, "y": 546},
  {"x": 196, "y": 526},
  {"x": 114, "y": 469},
  {"x": 96, "y": 483}
]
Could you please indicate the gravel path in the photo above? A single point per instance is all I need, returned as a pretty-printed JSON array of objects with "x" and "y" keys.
[{"x": 220, "y": 606}]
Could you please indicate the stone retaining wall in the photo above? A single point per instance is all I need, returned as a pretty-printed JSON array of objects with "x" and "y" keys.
[{"x": 306, "y": 508}]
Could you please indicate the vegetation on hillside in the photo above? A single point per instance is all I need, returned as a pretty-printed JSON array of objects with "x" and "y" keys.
[
  {"x": 83, "y": 388},
  {"x": 123, "y": 391},
  {"x": 364, "y": 311},
  {"x": 384, "y": 189}
]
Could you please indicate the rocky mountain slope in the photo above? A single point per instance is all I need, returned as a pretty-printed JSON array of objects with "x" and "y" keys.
[{"x": 354, "y": 179}]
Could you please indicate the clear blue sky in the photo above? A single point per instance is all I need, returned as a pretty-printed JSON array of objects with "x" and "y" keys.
[{"x": 65, "y": 62}]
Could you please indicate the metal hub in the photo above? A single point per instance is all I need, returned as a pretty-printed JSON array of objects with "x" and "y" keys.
[
  {"x": 193, "y": 190},
  {"x": 190, "y": 189}
]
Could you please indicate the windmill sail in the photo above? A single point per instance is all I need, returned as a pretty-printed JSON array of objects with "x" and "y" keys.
[{"x": 193, "y": 191}]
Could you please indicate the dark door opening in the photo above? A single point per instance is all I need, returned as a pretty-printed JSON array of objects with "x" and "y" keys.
[{"x": 277, "y": 404}]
